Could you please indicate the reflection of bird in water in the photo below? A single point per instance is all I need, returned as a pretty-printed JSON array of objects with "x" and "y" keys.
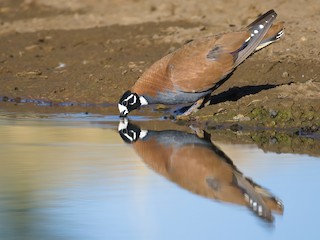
[
  {"x": 191, "y": 73},
  {"x": 196, "y": 164}
]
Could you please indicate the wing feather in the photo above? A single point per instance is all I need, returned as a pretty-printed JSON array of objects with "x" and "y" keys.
[{"x": 199, "y": 65}]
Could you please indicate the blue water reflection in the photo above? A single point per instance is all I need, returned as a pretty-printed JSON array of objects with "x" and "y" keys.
[{"x": 78, "y": 180}]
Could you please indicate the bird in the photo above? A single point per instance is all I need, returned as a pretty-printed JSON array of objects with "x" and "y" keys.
[
  {"x": 195, "y": 163},
  {"x": 191, "y": 73}
]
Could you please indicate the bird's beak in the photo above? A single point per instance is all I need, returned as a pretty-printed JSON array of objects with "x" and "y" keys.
[
  {"x": 123, "y": 110},
  {"x": 123, "y": 114},
  {"x": 123, "y": 123}
]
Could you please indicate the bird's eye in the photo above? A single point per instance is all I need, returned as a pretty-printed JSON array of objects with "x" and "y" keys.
[
  {"x": 132, "y": 100},
  {"x": 124, "y": 103}
]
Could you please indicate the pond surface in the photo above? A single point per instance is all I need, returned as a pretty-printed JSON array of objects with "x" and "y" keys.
[{"x": 72, "y": 176}]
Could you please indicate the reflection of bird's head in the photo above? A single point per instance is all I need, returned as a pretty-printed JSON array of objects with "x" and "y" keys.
[{"x": 130, "y": 132}]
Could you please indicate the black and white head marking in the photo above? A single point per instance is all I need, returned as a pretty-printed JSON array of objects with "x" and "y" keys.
[
  {"x": 129, "y": 132},
  {"x": 130, "y": 101}
]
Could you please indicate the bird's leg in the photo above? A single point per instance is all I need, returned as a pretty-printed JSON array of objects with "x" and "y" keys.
[
  {"x": 201, "y": 133},
  {"x": 194, "y": 108},
  {"x": 202, "y": 102}
]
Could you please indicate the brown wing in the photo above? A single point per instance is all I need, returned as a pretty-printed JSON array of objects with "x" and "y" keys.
[
  {"x": 190, "y": 166},
  {"x": 199, "y": 65},
  {"x": 203, "y": 171}
]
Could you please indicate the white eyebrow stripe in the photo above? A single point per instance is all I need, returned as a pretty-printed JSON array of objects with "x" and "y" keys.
[
  {"x": 127, "y": 136},
  {"x": 134, "y": 100},
  {"x": 129, "y": 97},
  {"x": 134, "y": 135}
]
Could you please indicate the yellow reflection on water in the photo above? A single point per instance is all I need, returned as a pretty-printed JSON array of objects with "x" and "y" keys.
[
  {"x": 39, "y": 162},
  {"x": 33, "y": 157}
]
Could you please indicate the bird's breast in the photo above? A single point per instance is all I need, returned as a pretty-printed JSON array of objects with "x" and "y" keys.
[{"x": 176, "y": 97}]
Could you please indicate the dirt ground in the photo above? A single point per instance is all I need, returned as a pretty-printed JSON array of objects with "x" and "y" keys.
[{"x": 90, "y": 52}]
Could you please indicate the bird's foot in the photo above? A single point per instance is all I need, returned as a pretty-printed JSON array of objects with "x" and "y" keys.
[
  {"x": 187, "y": 111},
  {"x": 181, "y": 111},
  {"x": 198, "y": 131}
]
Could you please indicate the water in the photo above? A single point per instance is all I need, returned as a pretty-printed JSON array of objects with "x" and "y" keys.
[{"x": 71, "y": 176}]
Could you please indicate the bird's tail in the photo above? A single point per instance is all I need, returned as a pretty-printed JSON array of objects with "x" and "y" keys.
[
  {"x": 257, "y": 29},
  {"x": 254, "y": 199},
  {"x": 275, "y": 32},
  {"x": 259, "y": 199}
]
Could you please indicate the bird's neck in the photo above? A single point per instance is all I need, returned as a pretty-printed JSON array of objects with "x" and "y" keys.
[{"x": 143, "y": 101}]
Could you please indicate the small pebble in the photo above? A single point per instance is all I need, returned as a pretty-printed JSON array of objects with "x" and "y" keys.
[
  {"x": 240, "y": 117},
  {"x": 303, "y": 39},
  {"x": 273, "y": 113},
  {"x": 285, "y": 74}
]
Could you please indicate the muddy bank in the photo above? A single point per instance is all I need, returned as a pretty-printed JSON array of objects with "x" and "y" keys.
[
  {"x": 93, "y": 65},
  {"x": 293, "y": 140},
  {"x": 97, "y": 65}
]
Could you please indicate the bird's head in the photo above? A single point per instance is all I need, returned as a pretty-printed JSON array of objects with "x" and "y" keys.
[{"x": 130, "y": 101}]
